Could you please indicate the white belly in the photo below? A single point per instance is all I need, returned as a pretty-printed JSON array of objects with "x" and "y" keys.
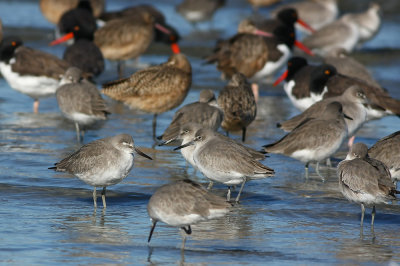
[{"x": 33, "y": 86}]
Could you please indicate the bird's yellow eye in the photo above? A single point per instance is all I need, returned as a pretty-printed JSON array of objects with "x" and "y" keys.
[{"x": 327, "y": 72}]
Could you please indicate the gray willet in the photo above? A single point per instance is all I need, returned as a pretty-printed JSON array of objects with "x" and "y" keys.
[
  {"x": 387, "y": 150},
  {"x": 353, "y": 101},
  {"x": 315, "y": 139},
  {"x": 156, "y": 89},
  {"x": 101, "y": 163},
  {"x": 205, "y": 112},
  {"x": 225, "y": 161},
  {"x": 365, "y": 180},
  {"x": 80, "y": 101},
  {"x": 184, "y": 203}
]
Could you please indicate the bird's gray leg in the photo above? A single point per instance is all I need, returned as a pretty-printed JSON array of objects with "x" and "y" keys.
[
  {"x": 94, "y": 198},
  {"x": 78, "y": 133},
  {"x": 154, "y": 126},
  {"x": 103, "y": 197},
  {"x": 373, "y": 217},
  {"x": 243, "y": 134},
  {"x": 362, "y": 214},
  {"x": 306, "y": 170},
  {"x": 328, "y": 162},
  {"x": 318, "y": 173},
  {"x": 120, "y": 68},
  {"x": 228, "y": 195},
  {"x": 240, "y": 191}
]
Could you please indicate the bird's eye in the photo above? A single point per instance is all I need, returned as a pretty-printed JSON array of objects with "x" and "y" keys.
[
  {"x": 327, "y": 72},
  {"x": 13, "y": 43},
  {"x": 76, "y": 28},
  {"x": 172, "y": 38}
]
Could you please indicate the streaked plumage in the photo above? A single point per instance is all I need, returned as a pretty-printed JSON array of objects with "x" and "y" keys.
[
  {"x": 238, "y": 104},
  {"x": 155, "y": 89}
]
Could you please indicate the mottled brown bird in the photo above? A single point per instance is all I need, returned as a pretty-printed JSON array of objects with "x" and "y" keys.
[
  {"x": 156, "y": 89},
  {"x": 238, "y": 104}
]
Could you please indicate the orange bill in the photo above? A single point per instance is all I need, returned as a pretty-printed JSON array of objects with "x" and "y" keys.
[
  {"x": 303, "y": 47},
  {"x": 305, "y": 25},
  {"x": 175, "y": 48},
  {"x": 62, "y": 39},
  {"x": 281, "y": 78}
]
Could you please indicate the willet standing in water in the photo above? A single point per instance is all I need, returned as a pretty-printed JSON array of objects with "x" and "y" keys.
[
  {"x": 225, "y": 161},
  {"x": 101, "y": 163},
  {"x": 315, "y": 139},
  {"x": 80, "y": 101},
  {"x": 365, "y": 180},
  {"x": 184, "y": 203}
]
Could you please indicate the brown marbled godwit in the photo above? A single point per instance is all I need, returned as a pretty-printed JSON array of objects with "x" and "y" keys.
[
  {"x": 101, "y": 163},
  {"x": 52, "y": 10},
  {"x": 156, "y": 89},
  {"x": 127, "y": 37},
  {"x": 29, "y": 71}
]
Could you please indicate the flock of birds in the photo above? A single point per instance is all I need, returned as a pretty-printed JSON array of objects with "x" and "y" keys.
[{"x": 336, "y": 98}]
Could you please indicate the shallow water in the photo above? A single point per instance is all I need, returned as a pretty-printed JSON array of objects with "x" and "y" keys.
[{"x": 48, "y": 217}]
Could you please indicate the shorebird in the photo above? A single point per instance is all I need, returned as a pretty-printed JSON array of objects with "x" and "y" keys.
[
  {"x": 315, "y": 139},
  {"x": 353, "y": 101},
  {"x": 261, "y": 3},
  {"x": 249, "y": 53},
  {"x": 316, "y": 13},
  {"x": 238, "y": 104},
  {"x": 52, "y": 10},
  {"x": 156, "y": 89},
  {"x": 101, "y": 163},
  {"x": 387, "y": 150},
  {"x": 163, "y": 32},
  {"x": 285, "y": 17},
  {"x": 79, "y": 24},
  {"x": 196, "y": 11},
  {"x": 80, "y": 101},
  {"x": 127, "y": 37},
  {"x": 348, "y": 31},
  {"x": 187, "y": 134},
  {"x": 205, "y": 112},
  {"x": 306, "y": 84},
  {"x": 225, "y": 161},
  {"x": 346, "y": 65},
  {"x": 298, "y": 78},
  {"x": 368, "y": 22},
  {"x": 365, "y": 180},
  {"x": 29, "y": 71},
  {"x": 184, "y": 203}
]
